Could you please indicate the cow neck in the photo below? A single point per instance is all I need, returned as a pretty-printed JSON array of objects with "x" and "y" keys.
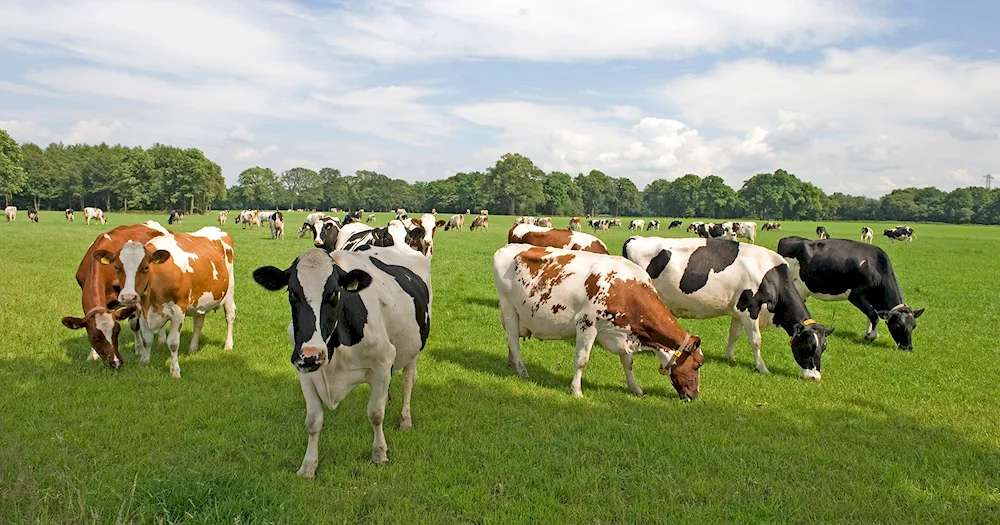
[
  {"x": 790, "y": 310},
  {"x": 94, "y": 288}
]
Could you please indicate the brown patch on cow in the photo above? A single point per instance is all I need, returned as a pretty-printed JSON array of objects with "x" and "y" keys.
[
  {"x": 556, "y": 308},
  {"x": 549, "y": 272},
  {"x": 593, "y": 287},
  {"x": 595, "y": 247},
  {"x": 634, "y": 305},
  {"x": 556, "y": 238}
]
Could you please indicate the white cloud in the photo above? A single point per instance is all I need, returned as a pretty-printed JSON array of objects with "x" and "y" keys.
[
  {"x": 241, "y": 134},
  {"x": 92, "y": 131},
  {"x": 27, "y": 131},
  {"x": 249, "y": 154}
]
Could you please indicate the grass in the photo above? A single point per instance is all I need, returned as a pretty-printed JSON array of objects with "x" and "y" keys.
[{"x": 887, "y": 436}]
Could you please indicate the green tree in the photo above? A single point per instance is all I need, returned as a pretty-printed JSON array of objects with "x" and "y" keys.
[
  {"x": 42, "y": 183},
  {"x": 335, "y": 189},
  {"x": 515, "y": 181},
  {"x": 562, "y": 195},
  {"x": 715, "y": 198},
  {"x": 12, "y": 176},
  {"x": 258, "y": 185},
  {"x": 682, "y": 197},
  {"x": 134, "y": 168},
  {"x": 302, "y": 185},
  {"x": 626, "y": 198},
  {"x": 598, "y": 191}
]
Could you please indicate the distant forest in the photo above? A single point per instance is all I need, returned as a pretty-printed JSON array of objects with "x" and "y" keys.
[{"x": 165, "y": 177}]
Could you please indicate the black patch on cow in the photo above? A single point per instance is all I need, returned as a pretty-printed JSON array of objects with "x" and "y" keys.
[
  {"x": 349, "y": 313},
  {"x": 767, "y": 293},
  {"x": 658, "y": 263},
  {"x": 674, "y": 224},
  {"x": 363, "y": 247},
  {"x": 625, "y": 247},
  {"x": 716, "y": 255},
  {"x": 416, "y": 288}
]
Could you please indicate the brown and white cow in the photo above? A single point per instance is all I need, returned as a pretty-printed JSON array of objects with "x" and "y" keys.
[
  {"x": 69, "y": 214},
  {"x": 481, "y": 222},
  {"x": 456, "y": 221},
  {"x": 94, "y": 213},
  {"x": 173, "y": 276},
  {"x": 553, "y": 238},
  {"x": 223, "y": 215},
  {"x": 371, "y": 218},
  {"x": 545, "y": 222},
  {"x": 574, "y": 224},
  {"x": 430, "y": 226},
  {"x": 553, "y": 294},
  {"x": 100, "y": 286}
]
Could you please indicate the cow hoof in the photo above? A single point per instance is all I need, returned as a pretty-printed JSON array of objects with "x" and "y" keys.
[
  {"x": 228, "y": 345},
  {"x": 576, "y": 393},
  {"x": 193, "y": 350},
  {"x": 763, "y": 370},
  {"x": 307, "y": 470},
  {"x": 638, "y": 392},
  {"x": 175, "y": 373},
  {"x": 520, "y": 370},
  {"x": 871, "y": 337},
  {"x": 379, "y": 456},
  {"x": 406, "y": 423}
]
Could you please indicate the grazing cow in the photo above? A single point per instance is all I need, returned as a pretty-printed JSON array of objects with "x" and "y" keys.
[
  {"x": 69, "y": 214},
  {"x": 456, "y": 221},
  {"x": 176, "y": 216},
  {"x": 100, "y": 286},
  {"x": 702, "y": 279},
  {"x": 223, "y": 215},
  {"x": 899, "y": 233},
  {"x": 551, "y": 238},
  {"x": 771, "y": 226},
  {"x": 358, "y": 237},
  {"x": 248, "y": 218},
  {"x": 401, "y": 215},
  {"x": 709, "y": 230},
  {"x": 545, "y": 222},
  {"x": 277, "y": 222},
  {"x": 574, "y": 224},
  {"x": 599, "y": 224},
  {"x": 173, "y": 276},
  {"x": 553, "y": 294},
  {"x": 821, "y": 233},
  {"x": 616, "y": 223},
  {"x": 371, "y": 218},
  {"x": 429, "y": 225},
  {"x": 354, "y": 216},
  {"x": 524, "y": 219},
  {"x": 675, "y": 224},
  {"x": 33, "y": 214},
  {"x": 838, "y": 269},
  {"x": 867, "y": 235},
  {"x": 746, "y": 230},
  {"x": 94, "y": 213},
  {"x": 654, "y": 225},
  {"x": 356, "y": 318},
  {"x": 309, "y": 225},
  {"x": 694, "y": 226},
  {"x": 481, "y": 222},
  {"x": 636, "y": 224},
  {"x": 11, "y": 213}
]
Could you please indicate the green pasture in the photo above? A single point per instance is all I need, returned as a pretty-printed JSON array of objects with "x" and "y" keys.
[{"x": 887, "y": 436}]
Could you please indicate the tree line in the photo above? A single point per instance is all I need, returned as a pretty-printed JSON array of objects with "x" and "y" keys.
[{"x": 165, "y": 177}]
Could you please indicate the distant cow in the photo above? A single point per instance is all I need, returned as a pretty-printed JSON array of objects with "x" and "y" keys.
[
  {"x": 821, "y": 233},
  {"x": 356, "y": 318},
  {"x": 771, "y": 226},
  {"x": 11, "y": 213},
  {"x": 675, "y": 224},
  {"x": 481, "y": 222},
  {"x": 899, "y": 233},
  {"x": 484, "y": 212},
  {"x": 176, "y": 216},
  {"x": 746, "y": 230},
  {"x": 525, "y": 219},
  {"x": 277, "y": 223},
  {"x": 694, "y": 226},
  {"x": 33, "y": 214},
  {"x": 636, "y": 224},
  {"x": 371, "y": 218},
  {"x": 248, "y": 218},
  {"x": 356, "y": 237},
  {"x": 545, "y": 222},
  {"x": 94, "y": 213},
  {"x": 223, "y": 215},
  {"x": 401, "y": 215},
  {"x": 455, "y": 222},
  {"x": 429, "y": 225},
  {"x": 309, "y": 225},
  {"x": 174, "y": 276},
  {"x": 708, "y": 230},
  {"x": 574, "y": 224},
  {"x": 703, "y": 279},
  {"x": 69, "y": 214},
  {"x": 599, "y": 224},
  {"x": 838, "y": 269},
  {"x": 653, "y": 225},
  {"x": 867, "y": 235},
  {"x": 552, "y": 238},
  {"x": 553, "y": 294},
  {"x": 354, "y": 216}
]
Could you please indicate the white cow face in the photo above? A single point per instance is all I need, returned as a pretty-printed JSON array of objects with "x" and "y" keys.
[{"x": 102, "y": 331}]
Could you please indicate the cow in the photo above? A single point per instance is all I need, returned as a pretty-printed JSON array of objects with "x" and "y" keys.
[
  {"x": 277, "y": 223},
  {"x": 900, "y": 233},
  {"x": 771, "y": 226},
  {"x": 746, "y": 230},
  {"x": 709, "y": 230},
  {"x": 545, "y": 222},
  {"x": 309, "y": 225},
  {"x": 33, "y": 214},
  {"x": 654, "y": 225},
  {"x": 248, "y": 218},
  {"x": 173, "y": 276},
  {"x": 434, "y": 211},
  {"x": 574, "y": 224},
  {"x": 371, "y": 218},
  {"x": 326, "y": 232},
  {"x": 484, "y": 212},
  {"x": 867, "y": 235},
  {"x": 525, "y": 219},
  {"x": 553, "y": 238},
  {"x": 636, "y": 224},
  {"x": 356, "y": 237},
  {"x": 599, "y": 224},
  {"x": 616, "y": 223},
  {"x": 69, "y": 214},
  {"x": 357, "y": 317},
  {"x": 263, "y": 217},
  {"x": 401, "y": 215},
  {"x": 11, "y": 213},
  {"x": 175, "y": 216},
  {"x": 455, "y": 222},
  {"x": 838, "y": 269},
  {"x": 94, "y": 213},
  {"x": 707, "y": 278},
  {"x": 353, "y": 216},
  {"x": 429, "y": 225},
  {"x": 481, "y": 222},
  {"x": 553, "y": 294},
  {"x": 694, "y": 226},
  {"x": 100, "y": 286},
  {"x": 821, "y": 233}
]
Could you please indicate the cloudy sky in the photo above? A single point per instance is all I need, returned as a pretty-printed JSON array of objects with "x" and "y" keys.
[{"x": 861, "y": 96}]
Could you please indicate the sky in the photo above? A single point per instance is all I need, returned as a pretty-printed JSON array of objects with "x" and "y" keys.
[{"x": 858, "y": 96}]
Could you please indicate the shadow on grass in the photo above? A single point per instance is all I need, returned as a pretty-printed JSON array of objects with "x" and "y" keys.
[
  {"x": 483, "y": 301},
  {"x": 77, "y": 348}
]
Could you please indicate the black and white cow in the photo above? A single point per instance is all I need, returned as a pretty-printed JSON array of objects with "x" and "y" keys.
[
  {"x": 867, "y": 235},
  {"x": 327, "y": 231},
  {"x": 636, "y": 224},
  {"x": 653, "y": 225},
  {"x": 356, "y": 318},
  {"x": 401, "y": 215},
  {"x": 675, "y": 224},
  {"x": 899, "y": 233},
  {"x": 33, "y": 214},
  {"x": 353, "y": 216},
  {"x": 176, "y": 216},
  {"x": 708, "y": 230},
  {"x": 69, "y": 214},
  {"x": 746, "y": 230},
  {"x": 838, "y": 269},
  {"x": 277, "y": 223},
  {"x": 706, "y": 278},
  {"x": 356, "y": 237},
  {"x": 821, "y": 233}
]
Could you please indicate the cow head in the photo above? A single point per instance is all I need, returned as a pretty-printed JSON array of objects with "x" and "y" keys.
[
  {"x": 684, "y": 366},
  {"x": 326, "y": 234},
  {"x": 327, "y": 311},
  {"x": 132, "y": 265},
  {"x": 901, "y": 321},
  {"x": 808, "y": 341},
  {"x": 427, "y": 226},
  {"x": 102, "y": 331}
]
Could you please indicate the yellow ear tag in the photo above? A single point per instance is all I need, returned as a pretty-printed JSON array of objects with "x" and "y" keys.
[
  {"x": 105, "y": 260},
  {"x": 353, "y": 286},
  {"x": 808, "y": 322}
]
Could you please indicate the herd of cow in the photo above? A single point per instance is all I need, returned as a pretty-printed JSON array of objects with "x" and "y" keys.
[{"x": 360, "y": 299}]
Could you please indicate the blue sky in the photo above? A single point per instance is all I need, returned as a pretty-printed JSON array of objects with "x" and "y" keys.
[{"x": 855, "y": 95}]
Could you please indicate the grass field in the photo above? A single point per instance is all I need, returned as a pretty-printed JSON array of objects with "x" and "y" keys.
[{"x": 887, "y": 436}]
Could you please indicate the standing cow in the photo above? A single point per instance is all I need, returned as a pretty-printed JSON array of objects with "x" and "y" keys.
[
  {"x": 11, "y": 213},
  {"x": 675, "y": 224},
  {"x": 481, "y": 222},
  {"x": 456, "y": 221},
  {"x": 33, "y": 214},
  {"x": 553, "y": 294},
  {"x": 175, "y": 216},
  {"x": 746, "y": 230},
  {"x": 356, "y": 318},
  {"x": 867, "y": 235},
  {"x": 94, "y": 213},
  {"x": 653, "y": 225},
  {"x": 574, "y": 224},
  {"x": 552, "y": 238},
  {"x": 636, "y": 225},
  {"x": 223, "y": 215},
  {"x": 821, "y": 233},
  {"x": 702, "y": 279},
  {"x": 277, "y": 223},
  {"x": 69, "y": 214}
]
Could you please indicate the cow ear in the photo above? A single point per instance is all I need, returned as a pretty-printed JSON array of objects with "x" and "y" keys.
[
  {"x": 829, "y": 330},
  {"x": 918, "y": 313},
  {"x": 74, "y": 323},
  {"x": 271, "y": 278},
  {"x": 415, "y": 223},
  {"x": 104, "y": 256},
  {"x": 355, "y": 281},
  {"x": 159, "y": 257},
  {"x": 124, "y": 313},
  {"x": 439, "y": 223}
]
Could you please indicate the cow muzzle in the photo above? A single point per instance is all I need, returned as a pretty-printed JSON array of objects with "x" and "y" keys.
[
  {"x": 310, "y": 358},
  {"x": 811, "y": 373},
  {"x": 128, "y": 298}
]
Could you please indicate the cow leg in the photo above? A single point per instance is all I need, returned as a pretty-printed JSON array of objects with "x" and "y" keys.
[
  {"x": 409, "y": 377},
  {"x": 734, "y": 333},
  {"x": 146, "y": 335},
  {"x": 93, "y": 355},
  {"x": 199, "y": 321},
  {"x": 133, "y": 324},
  {"x": 752, "y": 328},
  {"x": 584, "y": 341},
  {"x": 376, "y": 413},
  {"x": 633, "y": 386},
  {"x": 314, "y": 423},
  {"x": 861, "y": 303},
  {"x": 230, "y": 308},
  {"x": 174, "y": 339},
  {"x": 512, "y": 328}
]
